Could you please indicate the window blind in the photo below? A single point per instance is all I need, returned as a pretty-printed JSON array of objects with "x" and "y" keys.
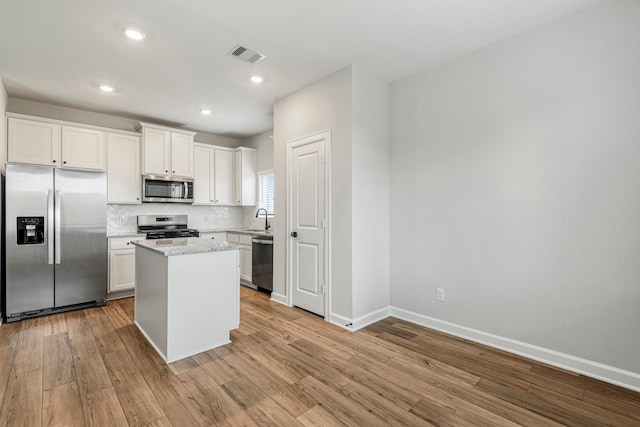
[{"x": 265, "y": 191}]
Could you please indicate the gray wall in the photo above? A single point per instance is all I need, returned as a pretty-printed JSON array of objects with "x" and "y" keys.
[
  {"x": 370, "y": 183},
  {"x": 4, "y": 99},
  {"x": 354, "y": 106},
  {"x": 515, "y": 186},
  {"x": 323, "y": 106},
  {"x": 3, "y": 154},
  {"x": 57, "y": 112},
  {"x": 262, "y": 142}
]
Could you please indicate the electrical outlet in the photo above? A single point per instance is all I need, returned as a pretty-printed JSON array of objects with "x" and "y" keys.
[{"x": 440, "y": 294}]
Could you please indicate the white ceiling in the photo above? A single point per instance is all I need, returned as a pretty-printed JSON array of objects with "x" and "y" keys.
[{"x": 54, "y": 51}]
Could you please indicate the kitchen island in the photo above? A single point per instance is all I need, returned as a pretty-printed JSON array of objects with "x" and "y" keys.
[{"x": 187, "y": 296}]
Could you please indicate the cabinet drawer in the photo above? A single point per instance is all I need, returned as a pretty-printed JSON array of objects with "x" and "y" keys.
[
  {"x": 122, "y": 243},
  {"x": 218, "y": 237},
  {"x": 246, "y": 239}
]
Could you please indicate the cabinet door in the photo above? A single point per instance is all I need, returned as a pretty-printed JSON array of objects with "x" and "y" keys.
[
  {"x": 33, "y": 143},
  {"x": 246, "y": 178},
  {"x": 123, "y": 169},
  {"x": 156, "y": 151},
  {"x": 203, "y": 175},
  {"x": 122, "y": 270},
  {"x": 237, "y": 177},
  {"x": 245, "y": 263},
  {"x": 181, "y": 154},
  {"x": 223, "y": 170},
  {"x": 83, "y": 148}
]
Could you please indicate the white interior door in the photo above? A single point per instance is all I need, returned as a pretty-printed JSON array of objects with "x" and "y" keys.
[{"x": 306, "y": 224}]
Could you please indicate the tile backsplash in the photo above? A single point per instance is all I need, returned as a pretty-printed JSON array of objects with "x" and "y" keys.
[{"x": 123, "y": 218}]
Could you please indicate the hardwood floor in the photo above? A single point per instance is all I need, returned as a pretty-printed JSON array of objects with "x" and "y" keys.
[{"x": 285, "y": 367}]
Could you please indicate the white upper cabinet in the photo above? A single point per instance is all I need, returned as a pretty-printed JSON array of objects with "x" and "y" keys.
[
  {"x": 83, "y": 148},
  {"x": 47, "y": 142},
  {"x": 181, "y": 154},
  {"x": 156, "y": 149},
  {"x": 35, "y": 143},
  {"x": 123, "y": 169},
  {"x": 166, "y": 151},
  {"x": 203, "y": 175},
  {"x": 223, "y": 177},
  {"x": 245, "y": 176}
]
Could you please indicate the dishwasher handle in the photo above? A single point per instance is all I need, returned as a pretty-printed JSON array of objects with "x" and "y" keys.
[{"x": 262, "y": 241}]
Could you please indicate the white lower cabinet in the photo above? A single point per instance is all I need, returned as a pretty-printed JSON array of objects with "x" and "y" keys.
[
  {"x": 122, "y": 264},
  {"x": 245, "y": 241}
]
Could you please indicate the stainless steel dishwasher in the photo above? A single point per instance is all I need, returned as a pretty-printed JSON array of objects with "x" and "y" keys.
[{"x": 262, "y": 262}]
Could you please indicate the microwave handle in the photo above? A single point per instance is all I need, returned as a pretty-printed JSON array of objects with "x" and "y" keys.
[{"x": 186, "y": 190}]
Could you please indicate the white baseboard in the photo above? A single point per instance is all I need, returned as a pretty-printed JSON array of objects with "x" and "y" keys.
[
  {"x": 279, "y": 298},
  {"x": 360, "y": 322},
  {"x": 122, "y": 294},
  {"x": 370, "y": 318},
  {"x": 343, "y": 322},
  {"x": 610, "y": 374}
]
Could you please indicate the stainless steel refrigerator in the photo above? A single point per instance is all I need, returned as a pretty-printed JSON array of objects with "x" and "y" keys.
[{"x": 56, "y": 245}]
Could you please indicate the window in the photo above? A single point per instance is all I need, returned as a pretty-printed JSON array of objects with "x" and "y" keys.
[{"x": 265, "y": 191}]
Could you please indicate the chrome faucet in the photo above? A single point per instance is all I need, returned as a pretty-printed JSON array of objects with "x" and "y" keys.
[{"x": 266, "y": 218}]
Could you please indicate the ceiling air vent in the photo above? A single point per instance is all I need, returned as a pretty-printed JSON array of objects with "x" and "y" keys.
[{"x": 245, "y": 54}]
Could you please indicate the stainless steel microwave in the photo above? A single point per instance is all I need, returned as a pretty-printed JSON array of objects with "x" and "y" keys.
[{"x": 166, "y": 189}]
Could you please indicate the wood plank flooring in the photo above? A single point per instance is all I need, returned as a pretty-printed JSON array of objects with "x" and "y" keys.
[{"x": 285, "y": 367}]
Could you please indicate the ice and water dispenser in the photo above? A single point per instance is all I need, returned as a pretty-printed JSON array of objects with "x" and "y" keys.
[{"x": 30, "y": 230}]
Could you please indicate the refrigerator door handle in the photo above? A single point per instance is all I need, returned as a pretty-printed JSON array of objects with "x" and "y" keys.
[
  {"x": 50, "y": 225},
  {"x": 57, "y": 226}
]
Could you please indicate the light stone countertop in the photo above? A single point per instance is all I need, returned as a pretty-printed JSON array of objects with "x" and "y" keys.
[
  {"x": 185, "y": 246},
  {"x": 237, "y": 230},
  {"x": 126, "y": 234},
  {"x": 213, "y": 230}
]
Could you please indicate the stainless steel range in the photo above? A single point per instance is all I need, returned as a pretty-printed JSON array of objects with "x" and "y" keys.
[{"x": 165, "y": 226}]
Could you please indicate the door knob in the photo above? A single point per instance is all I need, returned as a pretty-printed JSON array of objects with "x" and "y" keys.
[{"x": 294, "y": 234}]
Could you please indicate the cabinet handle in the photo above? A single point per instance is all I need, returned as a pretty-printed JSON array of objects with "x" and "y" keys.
[
  {"x": 173, "y": 171},
  {"x": 53, "y": 161},
  {"x": 64, "y": 163},
  {"x": 166, "y": 171},
  {"x": 128, "y": 243},
  {"x": 137, "y": 198}
]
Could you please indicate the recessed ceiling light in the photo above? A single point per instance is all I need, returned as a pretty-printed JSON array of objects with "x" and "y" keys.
[
  {"x": 205, "y": 111},
  {"x": 134, "y": 34},
  {"x": 257, "y": 79},
  {"x": 106, "y": 88}
]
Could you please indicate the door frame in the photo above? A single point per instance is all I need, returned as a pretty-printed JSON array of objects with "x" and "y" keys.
[{"x": 326, "y": 136}]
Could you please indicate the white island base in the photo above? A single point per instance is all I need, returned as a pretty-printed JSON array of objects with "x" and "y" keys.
[{"x": 187, "y": 304}]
